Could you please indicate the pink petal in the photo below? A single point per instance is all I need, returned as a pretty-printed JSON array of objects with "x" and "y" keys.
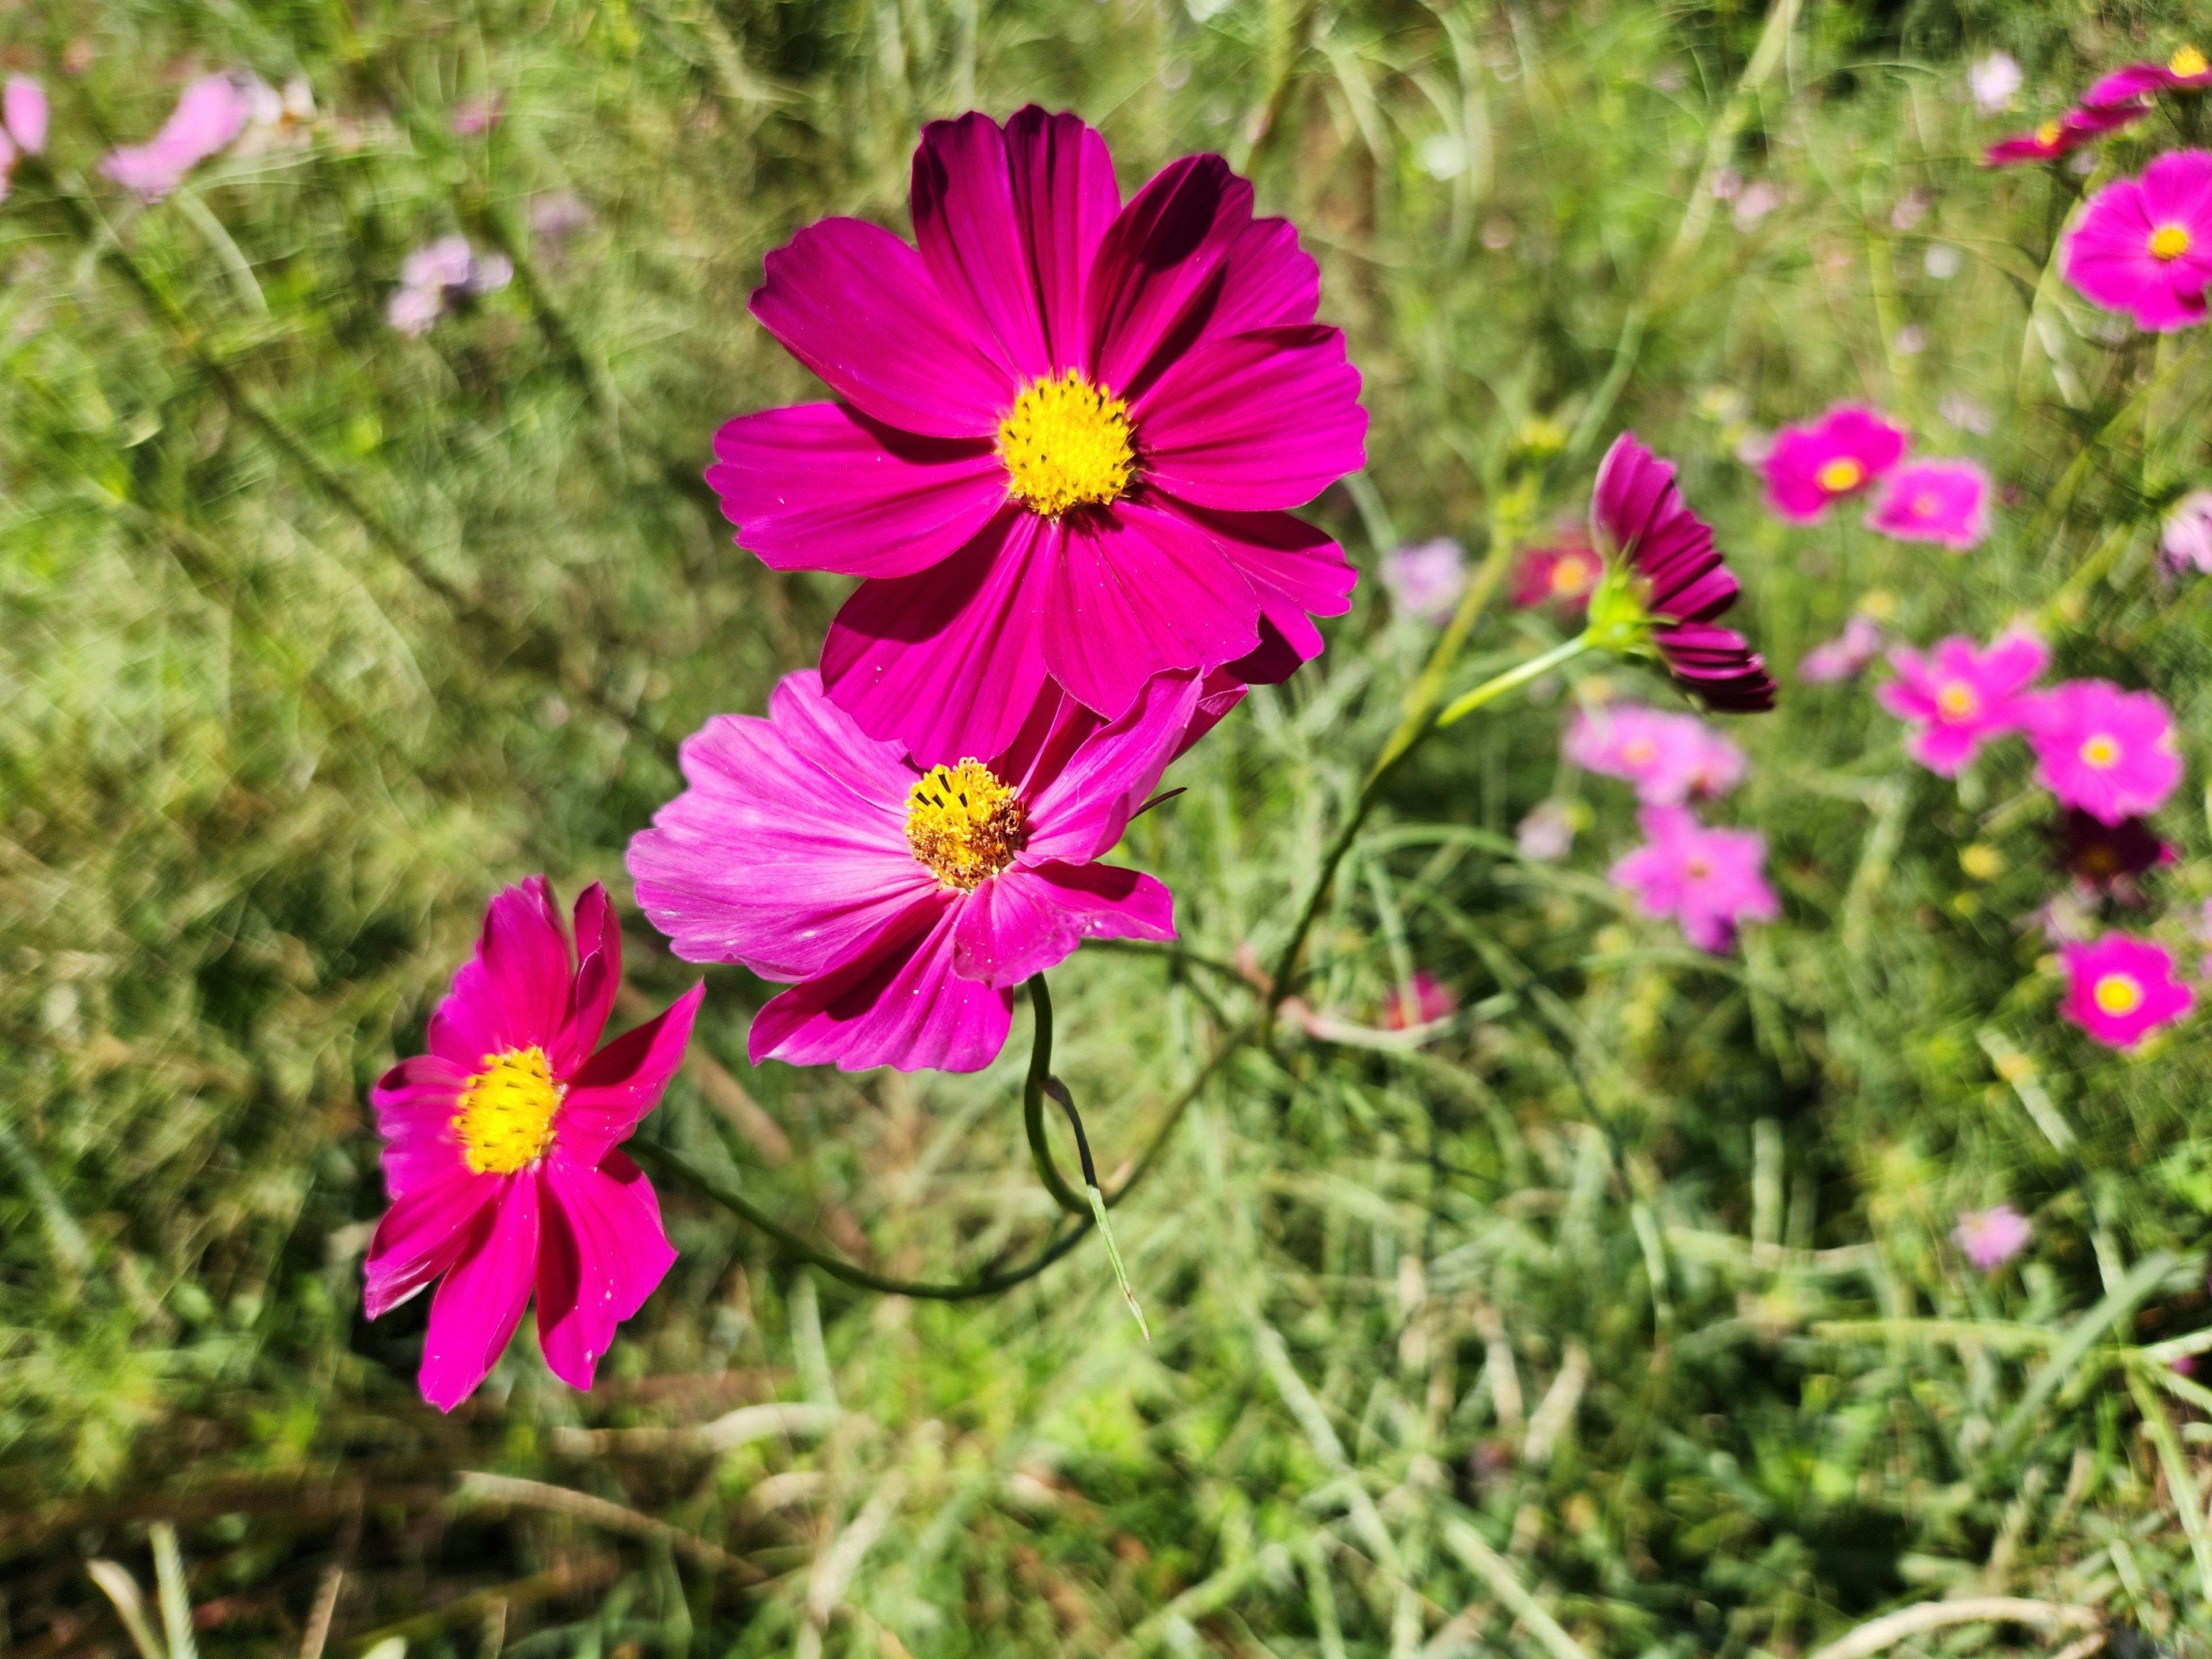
[
  {"x": 858, "y": 306},
  {"x": 1295, "y": 571},
  {"x": 1253, "y": 421},
  {"x": 421, "y": 1235},
  {"x": 964, "y": 222},
  {"x": 23, "y": 106},
  {"x": 599, "y": 977},
  {"x": 604, "y": 1253},
  {"x": 1157, "y": 266},
  {"x": 513, "y": 992},
  {"x": 624, "y": 1081},
  {"x": 481, "y": 1300},
  {"x": 1065, "y": 199},
  {"x": 1080, "y": 812},
  {"x": 821, "y": 487},
  {"x": 1270, "y": 280},
  {"x": 1033, "y": 917},
  {"x": 415, "y": 1103}
]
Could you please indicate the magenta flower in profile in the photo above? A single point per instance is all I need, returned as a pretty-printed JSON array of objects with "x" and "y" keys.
[
  {"x": 1943, "y": 501},
  {"x": 904, "y": 902},
  {"x": 212, "y": 111},
  {"x": 1669, "y": 757},
  {"x": 2063, "y": 134},
  {"x": 2186, "y": 537},
  {"x": 1564, "y": 574},
  {"x": 2144, "y": 246},
  {"x": 2127, "y": 88},
  {"x": 1958, "y": 696},
  {"x": 1424, "y": 580},
  {"x": 1842, "y": 453},
  {"x": 1989, "y": 1238},
  {"x": 1709, "y": 880},
  {"x": 1845, "y": 656},
  {"x": 2111, "y": 753},
  {"x": 500, "y": 1149},
  {"x": 1068, "y": 431},
  {"x": 1665, "y": 582},
  {"x": 2119, "y": 989}
]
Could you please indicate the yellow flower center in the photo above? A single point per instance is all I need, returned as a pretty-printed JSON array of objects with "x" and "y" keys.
[
  {"x": 2047, "y": 134},
  {"x": 1639, "y": 751},
  {"x": 2169, "y": 242},
  {"x": 1841, "y": 474},
  {"x": 2187, "y": 61},
  {"x": 506, "y": 1117},
  {"x": 1957, "y": 701},
  {"x": 1065, "y": 443},
  {"x": 1925, "y": 506},
  {"x": 2101, "y": 752},
  {"x": 1570, "y": 576},
  {"x": 2117, "y": 993},
  {"x": 963, "y": 824}
]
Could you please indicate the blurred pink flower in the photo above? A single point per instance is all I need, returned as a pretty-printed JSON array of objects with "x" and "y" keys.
[
  {"x": 1668, "y": 757},
  {"x": 2186, "y": 537},
  {"x": 438, "y": 276},
  {"x": 1843, "y": 656},
  {"x": 1547, "y": 833},
  {"x": 2144, "y": 246},
  {"x": 1565, "y": 574},
  {"x": 1426, "y": 578},
  {"x": 474, "y": 115},
  {"x": 1840, "y": 454},
  {"x": 23, "y": 106},
  {"x": 557, "y": 216},
  {"x": 212, "y": 111},
  {"x": 2061, "y": 134},
  {"x": 1709, "y": 880},
  {"x": 2119, "y": 990},
  {"x": 1957, "y": 695},
  {"x": 1991, "y": 1238},
  {"x": 1426, "y": 1000},
  {"x": 1760, "y": 198},
  {"x": 2185, "y": 72},
  {"x": 2110, "y": 752},
  {"x": 1993, "y": 80},
  {"x": 1942, "y": 502}
]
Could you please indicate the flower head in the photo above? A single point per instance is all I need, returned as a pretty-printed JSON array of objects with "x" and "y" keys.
[
  {"x": 1665, "y": 582},
  {"x": 1989, "y": 1238},
  {"x": 1709, "y": 880},
  {"x": 1845, "y": 656},
  {"x": 2186, "y": 537},
  {"x": 1067, "y": 433},
  {"x": 2062, "y": 135},
  {"x": 440, "y": 276},
  {"x": 2144, "y": 246},
  {"x": 1958, "y": 696},
  {"x": 1668, "y": 757},
  {"x": 2186, "y": 71},
  {"x": 903, "y": 903},
  {"x": 2119, "y": 989},
  {"x": 1426, "y": 578},
  {"x": 23, "y": 110},
  {"x": 2104, "y": 856},
  {"x": 1424, "y": 1001},
  {"x": 500, "y": 1149},
  {"x": 1842, "y": 453},
  {"x": 2111, "y": 753},
  {"x": 1942, "y": 502},
  {"x": 1564, "y": 574},
  {"x": 212, "y": 110},
  {"x": 1993, "y": 80},
  {"x": 1547, "y": 833}
]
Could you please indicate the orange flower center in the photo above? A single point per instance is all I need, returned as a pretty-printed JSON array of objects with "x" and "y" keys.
[
  {"x": 2117, "y": 993},
  {"x": 1839, "y": 475},
  {"x": 2102, "y": 751},
  {"x": 963, "y": 824},
  {"x": 1956, "y": 700},
  {"x": 2169, "y": 242},
  {"x": 506, "y": 1116},
  {"x": 1639, "y": 751},
  {"x": 1570, "y": 576},
  {"x": 2047, "y": 134},
  {"x": 2187, "y": 62},
  {"x": 1925, "y": 505},
  {"x": 1697, "y": 869},
  {"x": 1067, "y": 443}
]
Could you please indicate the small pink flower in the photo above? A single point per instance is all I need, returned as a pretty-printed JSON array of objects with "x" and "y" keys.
[
  {"x": 23, "y": 108},
  {"x": 1426, "y": 578},
  {"x": 501, "y": 1149},
  {"x": 1991, "y": 1238},
  {"x": 1993, "y": 80},
  {"x": 2063, "y": 134},
  {"x": 2119, "y": 989},
  {"x": 1668, "y": 757},
  {"x": 2186, "y": 537},
  {"x": 440, "y": 276},
  {"x": 2111, "y": 753},
  {"x": 212, "y": 111},
  {"x": 1843, "y": 656},
  {"x": 1547, "y": 833},
  {"x": 1840, "y": 454},
  {"x": 474, "y": 115},
  {"x": 2185, "y": 72},
  {"x": 1957, "y": 697},
  {"x": 412, "y": 310},
  {"x": 1564, "y": 574},
  {"x": 1426, "y": 1000},
  {"x": 1708, "y": 879},
  {"x": 1942, "y": 502},
  {"x": 2144, "y": 246}
]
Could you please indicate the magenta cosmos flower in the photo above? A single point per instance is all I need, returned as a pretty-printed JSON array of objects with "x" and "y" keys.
[
  {"x": 2119, "y": 989},
  {"x": 903, "y": 903},
  {"x": 1958, "y": 696},
  {"x": 1943, "y": 501},
  {"x": 1565, "y": 574},
  {"x": 2062, "y": 135},
  {"x": 1069, "y": 430},
  {"x": 500, "y": 1149},
  {"x": 1709, "y": 880},
  {"x": 2144, "y": 246},
  {"x": 1991, "y": 1238},
  {"x": 212, "y": 111},
  {"x": 2185, "y": 72},
  {"x": 1840, "y": 454},
  {"x": 1665, "y": 582},
  {"x": 2111, "y": 753},
  {"x": 1668, "y": 757}
]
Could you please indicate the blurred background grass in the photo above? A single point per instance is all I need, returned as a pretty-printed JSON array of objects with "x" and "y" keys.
[{"x": 1621, "y": 1319}]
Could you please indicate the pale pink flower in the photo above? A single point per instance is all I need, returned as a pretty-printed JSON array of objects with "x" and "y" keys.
[
  {"x": 474, "y": 115},
  {"x": 1843, "y": 656},
  {"x": 212, "y": 111},
  {"x": 1424, "y": 580},
  {"x": 1993, "y": 80},
  {"x": 1709, "y": 880},
  {"x": 1991, "y": 1238},
  {"x": 1942, "y": 502},
  {"x": 23, "y": 108},
  {"x": 1958, "y": 696},
  {"x": 1668, "y": 757},
  {"x": 2111, "y": 753},
  {"x": 2186, "y": 537},
  {"x": 1547, "y": 836}
]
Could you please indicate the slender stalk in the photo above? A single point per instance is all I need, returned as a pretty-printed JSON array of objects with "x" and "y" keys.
[
  {"x": 1491, "y": 689},
  {"x": 1033, "y": 1094}
]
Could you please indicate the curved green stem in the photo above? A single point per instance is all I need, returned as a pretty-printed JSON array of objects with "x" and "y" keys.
[
  {"x": 1491, "y": 689},
  {"x": 1033, "y": 1093}
]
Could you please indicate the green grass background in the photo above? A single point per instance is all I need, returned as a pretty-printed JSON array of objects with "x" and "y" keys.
[{"x": 1622, "y": 1320}]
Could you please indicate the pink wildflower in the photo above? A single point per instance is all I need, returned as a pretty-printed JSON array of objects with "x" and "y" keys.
[
  {"x": 1668, "y": 757},
  {"x": 1424, "y": 580},
  {"x": 1989, "y": 1238},
  {"x": 1843, "y": 656},
  {"x": 1425, "y": 1000},
  {"x": 1840, "y": 454},
  {"x": 2119, "y": 989},
  {"x": 1547, "y": 833},
  {"x": 903, "y": 903},
  {"x": 440, "y": 275},
  {"x": 2062, "y": 135},
  {"x": 212, "y": 111},
  {"x": 2186, "y": 537},
  {"x": 474, "y": 115},
  {"x": 23, "y": 108},
  {"x": 1564, "y": 574},
  {"x": 1958, "y": 696},
  {"x": 1942, "y": 502},
  {"x": 1993, "y": 80},
  {"x": 2111, "y": 753},
  {"x": 500, "y": 1149},
  {"x": 2185, "y": 72},
  {"x": 2144, "y": 246},
  {"x": 1708, "y": 879}
]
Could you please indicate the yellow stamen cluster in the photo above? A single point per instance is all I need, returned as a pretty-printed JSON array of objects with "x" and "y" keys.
[
  {"x": 1957, "y": 701},
  {"x": 506, "y": 1116},
  {"x": 2047, "y": 134},
  {"x": 1065, "y": 443},
  {"x": 2188, "y": 61},
  {"x": 1570, "y": 576},
  {"x": 963, "y": 824},
  {"x": 2101, "y": 752},
  {"x": 1839, "y": 475},
  {"x": 2169, "y": 242},
  {"x": 2117, "y": 993}
]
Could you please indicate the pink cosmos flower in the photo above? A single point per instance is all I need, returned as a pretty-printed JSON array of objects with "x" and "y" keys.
[
  {"x": 1431, "y": 1000},
  {"x": 2186, "y": 537},
  {"x": 1840, "y": 454},
  {"x": 1708, "y": 879},
  {"x": 1068, "y": 431},
  {"x": 1843, "y": 657},
  {"x": 1639, "y": 521},
  {"x": 500, "y": 1149},
  {"x": 212, "y": 111},
  {"x": 2185, "y": 72},
  {"x": 1668, "y": 757},
  {"x": 1564, "y": 574},
  {"x": 1942, "y": 502},
  {"x": 22, "y": 124},
  {"x": 2119, "y": 989},
  {"x": 1989, "y": 1238},
  {"x": 2062, "y": 135},
  {"x": 1547, "y": 833},
  {"x": 1993, "y": 80},
  {"x": 903, "y": 903},
  {"x": 2144, "y": 246},
  {"x": 1958, "y": 696},
  {"x": 1424, "y": 580},
  {"x": 2111, "y": 753},
  {"x": 440, "y": 275}
]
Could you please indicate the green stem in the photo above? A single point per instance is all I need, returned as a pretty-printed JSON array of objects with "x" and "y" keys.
[
  {"x": 1491, "y": 689},
  {"x": 1033, "y": 1093}
]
